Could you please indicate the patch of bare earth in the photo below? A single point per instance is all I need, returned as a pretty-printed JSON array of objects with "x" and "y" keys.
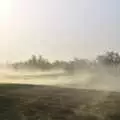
[{"x": 54, "y": 103}]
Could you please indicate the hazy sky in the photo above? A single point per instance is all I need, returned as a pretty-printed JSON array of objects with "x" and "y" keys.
[{"x": 58, "y": 29}]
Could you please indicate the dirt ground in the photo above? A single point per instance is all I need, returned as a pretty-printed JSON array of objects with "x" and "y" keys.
[{"x": 29, "y": 102}]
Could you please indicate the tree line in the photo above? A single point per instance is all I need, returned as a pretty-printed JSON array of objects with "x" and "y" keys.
[{"x": 110, "y": 58}]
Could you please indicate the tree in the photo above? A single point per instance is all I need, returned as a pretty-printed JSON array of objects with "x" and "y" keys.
[{"x": 109, "y": 58}]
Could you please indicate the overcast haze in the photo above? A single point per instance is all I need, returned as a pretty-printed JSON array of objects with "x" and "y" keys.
[{"x": 58, "y": 29}]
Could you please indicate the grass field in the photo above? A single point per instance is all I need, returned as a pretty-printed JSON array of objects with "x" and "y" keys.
[{"x": 30, "y": 102}]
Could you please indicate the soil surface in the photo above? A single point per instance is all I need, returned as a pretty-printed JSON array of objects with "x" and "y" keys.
[{"x": 29, "y": 102}]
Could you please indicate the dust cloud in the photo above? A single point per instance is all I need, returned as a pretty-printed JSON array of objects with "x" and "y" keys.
[{"x": 87, "y": 79}]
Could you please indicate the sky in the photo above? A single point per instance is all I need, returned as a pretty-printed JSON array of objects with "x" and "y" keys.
[{"x": 58, "y": 29}]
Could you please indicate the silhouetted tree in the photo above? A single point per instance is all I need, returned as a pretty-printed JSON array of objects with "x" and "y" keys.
[{"x": 109, "y": 58}]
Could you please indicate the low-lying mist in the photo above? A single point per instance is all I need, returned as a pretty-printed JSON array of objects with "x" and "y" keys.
[
  {"x": 99, "y": 79},
  {"x": 101, "y": 73}
]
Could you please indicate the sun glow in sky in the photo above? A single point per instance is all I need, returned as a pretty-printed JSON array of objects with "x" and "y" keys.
[
  {"x": 5, "y": 7},
  {"x": 58, "y": 29}
]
